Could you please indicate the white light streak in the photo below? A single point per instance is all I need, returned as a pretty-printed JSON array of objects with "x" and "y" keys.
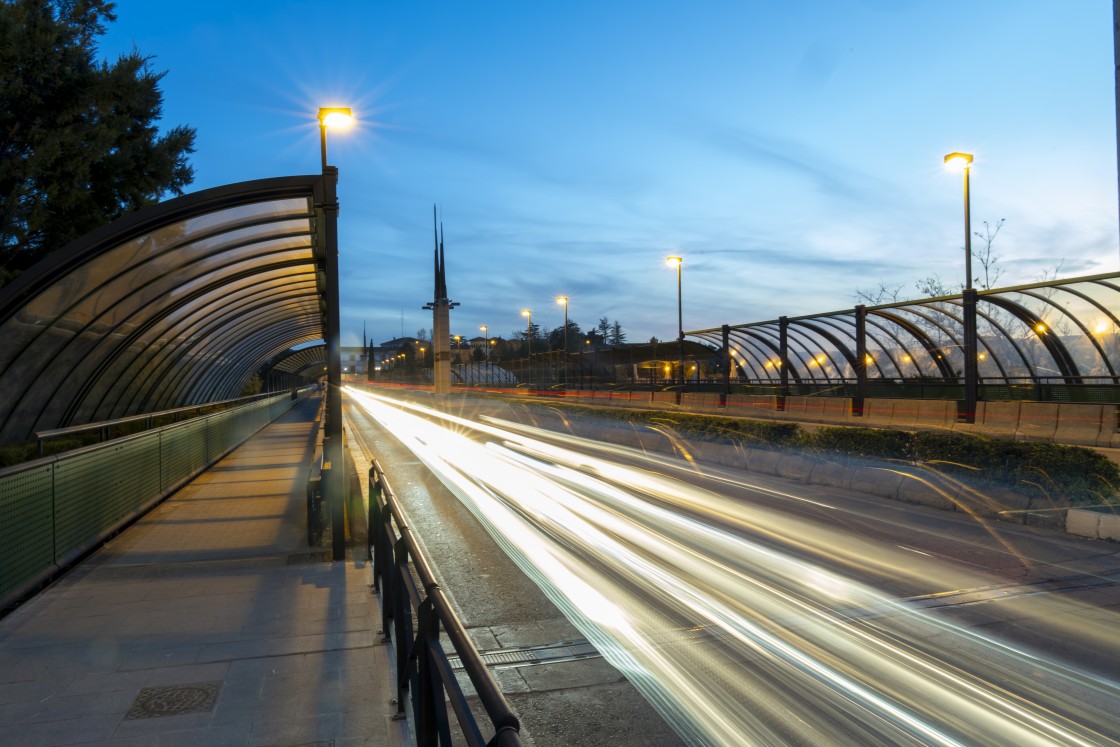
[{"x": 718, "y": 612}]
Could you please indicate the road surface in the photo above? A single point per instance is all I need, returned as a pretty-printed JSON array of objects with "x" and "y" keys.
[{"x": 747, "y": 610}]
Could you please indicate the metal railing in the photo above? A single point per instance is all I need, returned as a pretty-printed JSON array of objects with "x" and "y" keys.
[
  {"x": 55, "y": 509},
  {"x": 408, "y": 587},
  {"x": 104, "y": 427}
]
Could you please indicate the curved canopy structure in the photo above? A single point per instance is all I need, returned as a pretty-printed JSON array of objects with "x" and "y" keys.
[
  {"x": 176, "y": 304},
  {"x": 1058, "y": 332},
  {"x": 307, "y": 364}
]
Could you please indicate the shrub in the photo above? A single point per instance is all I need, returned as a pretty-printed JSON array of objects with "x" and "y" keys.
[
  {"x": 861, "y": 442},
  {"x": 1056, "y": 472}
]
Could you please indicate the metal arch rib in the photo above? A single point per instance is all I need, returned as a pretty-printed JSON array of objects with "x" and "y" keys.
[{"x": 1058, "y": 352}]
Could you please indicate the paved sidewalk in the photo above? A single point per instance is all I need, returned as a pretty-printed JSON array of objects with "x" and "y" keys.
[{"x": 209, "y": 622}]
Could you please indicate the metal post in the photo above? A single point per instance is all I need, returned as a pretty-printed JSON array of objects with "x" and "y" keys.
[
  {"x": 971, "y": 368},
  {"x": 580, "y": 364},
  {"x": 783, "y": 359},
  {"x": 332, "y": 442},
  {"x": 861, "y": 361},
  {"x": 967, "y": 233},
  {"x": 486, "y": 349},
  {"x": 725, "y": 332},
  {"x": 680, "y": 324},
  {"x": 565, "y": 376},
  {"x": 1116, "y": 60},
  {"x": 529, "y": 344}
]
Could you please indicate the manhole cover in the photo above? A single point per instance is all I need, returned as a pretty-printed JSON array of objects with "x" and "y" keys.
[
  {"x": 301, "y": 558},
  {"x": 174, "y": 700}
]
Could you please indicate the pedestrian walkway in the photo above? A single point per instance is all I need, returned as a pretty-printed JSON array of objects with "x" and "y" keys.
[{"x": 208, "y": 622}]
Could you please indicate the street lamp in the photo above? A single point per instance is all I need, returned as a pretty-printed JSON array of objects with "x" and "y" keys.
[
  {"x": 963, "y": 161},
  {"x": 678, "y": 261},
  {"x": 486, "y": 347},
  {"x": 971, "y": 372},
  {"x": 327, "y": 207},
  {"x": 335, "y": 117},
  {"x": 528, "y": 331},
  {"x": 563, "y": 301}
]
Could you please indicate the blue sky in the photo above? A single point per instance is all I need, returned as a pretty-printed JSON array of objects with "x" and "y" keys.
[{"x": 790, "y": 152}]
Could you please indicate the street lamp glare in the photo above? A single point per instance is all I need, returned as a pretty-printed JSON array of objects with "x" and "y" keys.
[
  {"x": 525, "y": 312},
  {"x": 674, "y": 261},
  {"x": 958, "y": 160},
  {"x": 331, "y": 117},
  {"x": 562, "y": 300},
  {"x": 335, "y": 117}
]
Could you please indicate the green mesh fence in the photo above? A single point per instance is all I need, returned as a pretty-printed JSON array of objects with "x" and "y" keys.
[{"x": 52, "y": 510}]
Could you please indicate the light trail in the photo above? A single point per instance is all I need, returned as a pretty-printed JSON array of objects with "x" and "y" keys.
[{"x": 713, "y": 611}]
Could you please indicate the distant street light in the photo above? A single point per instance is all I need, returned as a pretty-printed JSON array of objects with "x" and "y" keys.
[
  {"x": 528, "y": 314},
  {"x": 563, "y": 300},
  {"x": 486, "y": 347},
  {"x": 678, "y": 261}
]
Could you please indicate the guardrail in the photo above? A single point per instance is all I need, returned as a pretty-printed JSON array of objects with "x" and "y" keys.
[
  {"x": 56, "y": 509},
  {"x": 104, "y": 427},
  {"x": 407, "y": 585}
]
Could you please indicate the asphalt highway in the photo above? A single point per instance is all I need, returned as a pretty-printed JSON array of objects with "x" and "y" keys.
[{"x": 745, "y": 610}]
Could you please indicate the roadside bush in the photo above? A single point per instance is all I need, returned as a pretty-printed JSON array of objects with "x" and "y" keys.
[
  {"x": 763, "y": 434},
  {"x": 860, "y": 442},
  {"x": 1055, "y": 472}
]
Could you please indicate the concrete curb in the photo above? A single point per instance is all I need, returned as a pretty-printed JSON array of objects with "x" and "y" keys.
[{"x": 1093, "y": 523}]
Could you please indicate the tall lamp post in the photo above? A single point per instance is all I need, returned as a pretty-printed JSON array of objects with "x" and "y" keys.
[
  {"x": 678, "y": 261},
  {"x": 563, "y": 301},
  {"x": 528, "y": 314},
  {"x": 963, "y": 161},
  {"x": 486, "y": 346},
  {"x": 332, "y": 117}
]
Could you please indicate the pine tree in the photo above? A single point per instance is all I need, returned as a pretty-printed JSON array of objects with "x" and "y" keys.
[
  {"x": 618, "y": 337},
  {"x": 79, "y": 145}
]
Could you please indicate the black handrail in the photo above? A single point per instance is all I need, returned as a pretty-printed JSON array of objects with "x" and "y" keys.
[{"x": 405, "y": 580}]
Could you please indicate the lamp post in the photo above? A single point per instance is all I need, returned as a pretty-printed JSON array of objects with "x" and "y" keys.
[
  {"x": 963, "y": 161},
  {"x": 327, "y": 198},
  {"x": 971, "y": 373},
  {"x": 486, "y": 348},
  {"x": 678, "y": 261},
  {"x": 528, "y": 332},
  {"x": 335, "y": 117},
  {"x": 528, "y": 314},
  {"x": 563, "y": 301}
]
